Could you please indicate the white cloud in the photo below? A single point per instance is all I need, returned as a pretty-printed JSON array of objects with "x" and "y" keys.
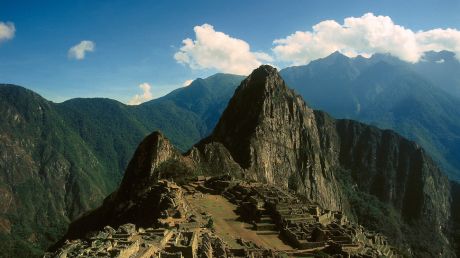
[
  {"x": 7, "y": 31},
  {"x": 187, "y": 83},
  {"x": 145, "y": 96},
  {"x": 440, "y": 61},
  {"x": 364, "y": 35},
  {"x": 216, "y": 50},
  {"x": 79, "y": 51},
  {"x": 440, "y": 39}
]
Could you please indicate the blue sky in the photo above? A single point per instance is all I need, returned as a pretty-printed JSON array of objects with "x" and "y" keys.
[{"x": 136, "y": 41}]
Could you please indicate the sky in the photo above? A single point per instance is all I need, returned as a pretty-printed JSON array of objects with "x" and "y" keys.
[{"x": 133, "y": 51}]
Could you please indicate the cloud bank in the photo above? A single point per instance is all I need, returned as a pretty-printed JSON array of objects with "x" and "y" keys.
[
  {"x": 78, "y": 51},
  {"x": 145, "y": 96},
  {"x": 216, "y": 50},
  {"x": 7, "y": 31},
  {"x": 365, "y": 36}
]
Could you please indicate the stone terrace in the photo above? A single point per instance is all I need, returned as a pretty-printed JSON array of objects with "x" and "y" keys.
[
  {"x": 305, "y": 226},
  {"x": 222, "y": 217}
]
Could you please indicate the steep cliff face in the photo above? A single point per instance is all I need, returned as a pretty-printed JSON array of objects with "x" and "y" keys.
[
  {"x": 267, "y": 133},
  {"x": 48, "y": 175},
  {"x": 277, "y": 139},
  {"x": 272, "y": 134},
  {"x": 395, "y": 170},
  {"x": 398, "y": 172},
  {"x": 138, "y": 197},
  {"x": 143, "y": 169},
  {"x": 416, "y": 100},
  {"x": 58, "y": 160}
]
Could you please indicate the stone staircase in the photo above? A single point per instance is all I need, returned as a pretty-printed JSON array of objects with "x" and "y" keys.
[{"x": 266, "y": 225}]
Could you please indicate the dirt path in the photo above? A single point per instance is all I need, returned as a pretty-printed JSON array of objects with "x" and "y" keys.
[{"x": 228, "y": 227}]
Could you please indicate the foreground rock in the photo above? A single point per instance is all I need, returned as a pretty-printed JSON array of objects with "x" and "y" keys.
[
  {"x": 183, "y": 230},
  {"x": 268, "y": 135}
]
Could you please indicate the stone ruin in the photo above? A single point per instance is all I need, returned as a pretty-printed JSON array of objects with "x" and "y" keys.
[
  {"x": 178, "y": 232},
  {"x": 182, "y": 232},
  {"x": 304, "y": 225}
]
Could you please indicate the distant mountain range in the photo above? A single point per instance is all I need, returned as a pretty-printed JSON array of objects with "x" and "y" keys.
[
  {"x": 59, "y": 160},
  {"x": 267, "y": 134},
  {"x": 419, "y": 101}
]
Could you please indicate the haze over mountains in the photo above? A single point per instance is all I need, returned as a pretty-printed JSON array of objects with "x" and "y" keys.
[
  {"x": 419, "y": 101},
  {"x": 59, "y": 160},
  {"x": 85, "y": 144},
  {"x": 267, "y": 134}
]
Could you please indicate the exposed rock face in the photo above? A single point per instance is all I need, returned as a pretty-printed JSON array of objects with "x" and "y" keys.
[
  {"x": 273, "y": 135},
  {"x": 395, "y": 170},
  {"x": 58, "y": 160},
  {"x": 267, "y": 133},
  {"x": 143, "y": 210},
  {"x": 197, "y": 225},
  {"x": 143, "y": 169},
  {"x": 277, "y": 139}
]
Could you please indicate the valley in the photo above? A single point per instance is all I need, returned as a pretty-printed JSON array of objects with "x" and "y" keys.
[
  {"x": 344, "y": 168},
  {"x": 221, "y": 129}
]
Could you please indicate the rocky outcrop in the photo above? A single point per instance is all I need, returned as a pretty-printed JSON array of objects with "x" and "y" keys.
[
  {"x": 191, "y": 226},
  {"x": 144, "y": 168},
  {"x": 277, "y": 139},
  {"x": 268, "y": 134},
  {"x": 273, "y": 135},
  {"x": 395, "y": 170},
  {"x": 159, "y": 200}
]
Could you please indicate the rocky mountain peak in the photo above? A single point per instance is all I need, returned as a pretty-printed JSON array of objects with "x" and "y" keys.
[
  {"x": 142, "y": 170},
  {"x": 258, "y": 106},
  {"x": 263, "y": 77},
  {"x": 269, "y": 135},
  {"x": 335, "y": 57},
  {"x": 262, "y": 84}
]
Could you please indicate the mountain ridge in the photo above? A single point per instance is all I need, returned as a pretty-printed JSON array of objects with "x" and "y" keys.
[
  {"x": 114, "y": 150},
  {"x": 389, "y": 93},
  {"x": 313, "y": 160},
  {"x": 76, "y": 151}
]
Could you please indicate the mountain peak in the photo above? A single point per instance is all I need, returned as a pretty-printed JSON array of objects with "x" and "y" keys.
[
  {"x": 143, "y": 168},
  {"x": 335, "y": 57},
  {"x": 258, "y": 88},
  {"x": 262, "y": 108},
  {"x": 268, "y": 134},
  {"x": 267, "y": 69},
  {"x": 262, "y": 77},
  {"x": 337, "y": 54}
]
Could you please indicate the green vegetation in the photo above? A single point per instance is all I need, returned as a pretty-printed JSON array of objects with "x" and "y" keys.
[
  {"x": 47, "y": 170},
  {"x": 375, "y": 215},
  {"x": 60, "y": 160},
  {"x": 210, "y": 223},
  {"x": 370, "y": 212},
  {"x": 391, "y": 94}
]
